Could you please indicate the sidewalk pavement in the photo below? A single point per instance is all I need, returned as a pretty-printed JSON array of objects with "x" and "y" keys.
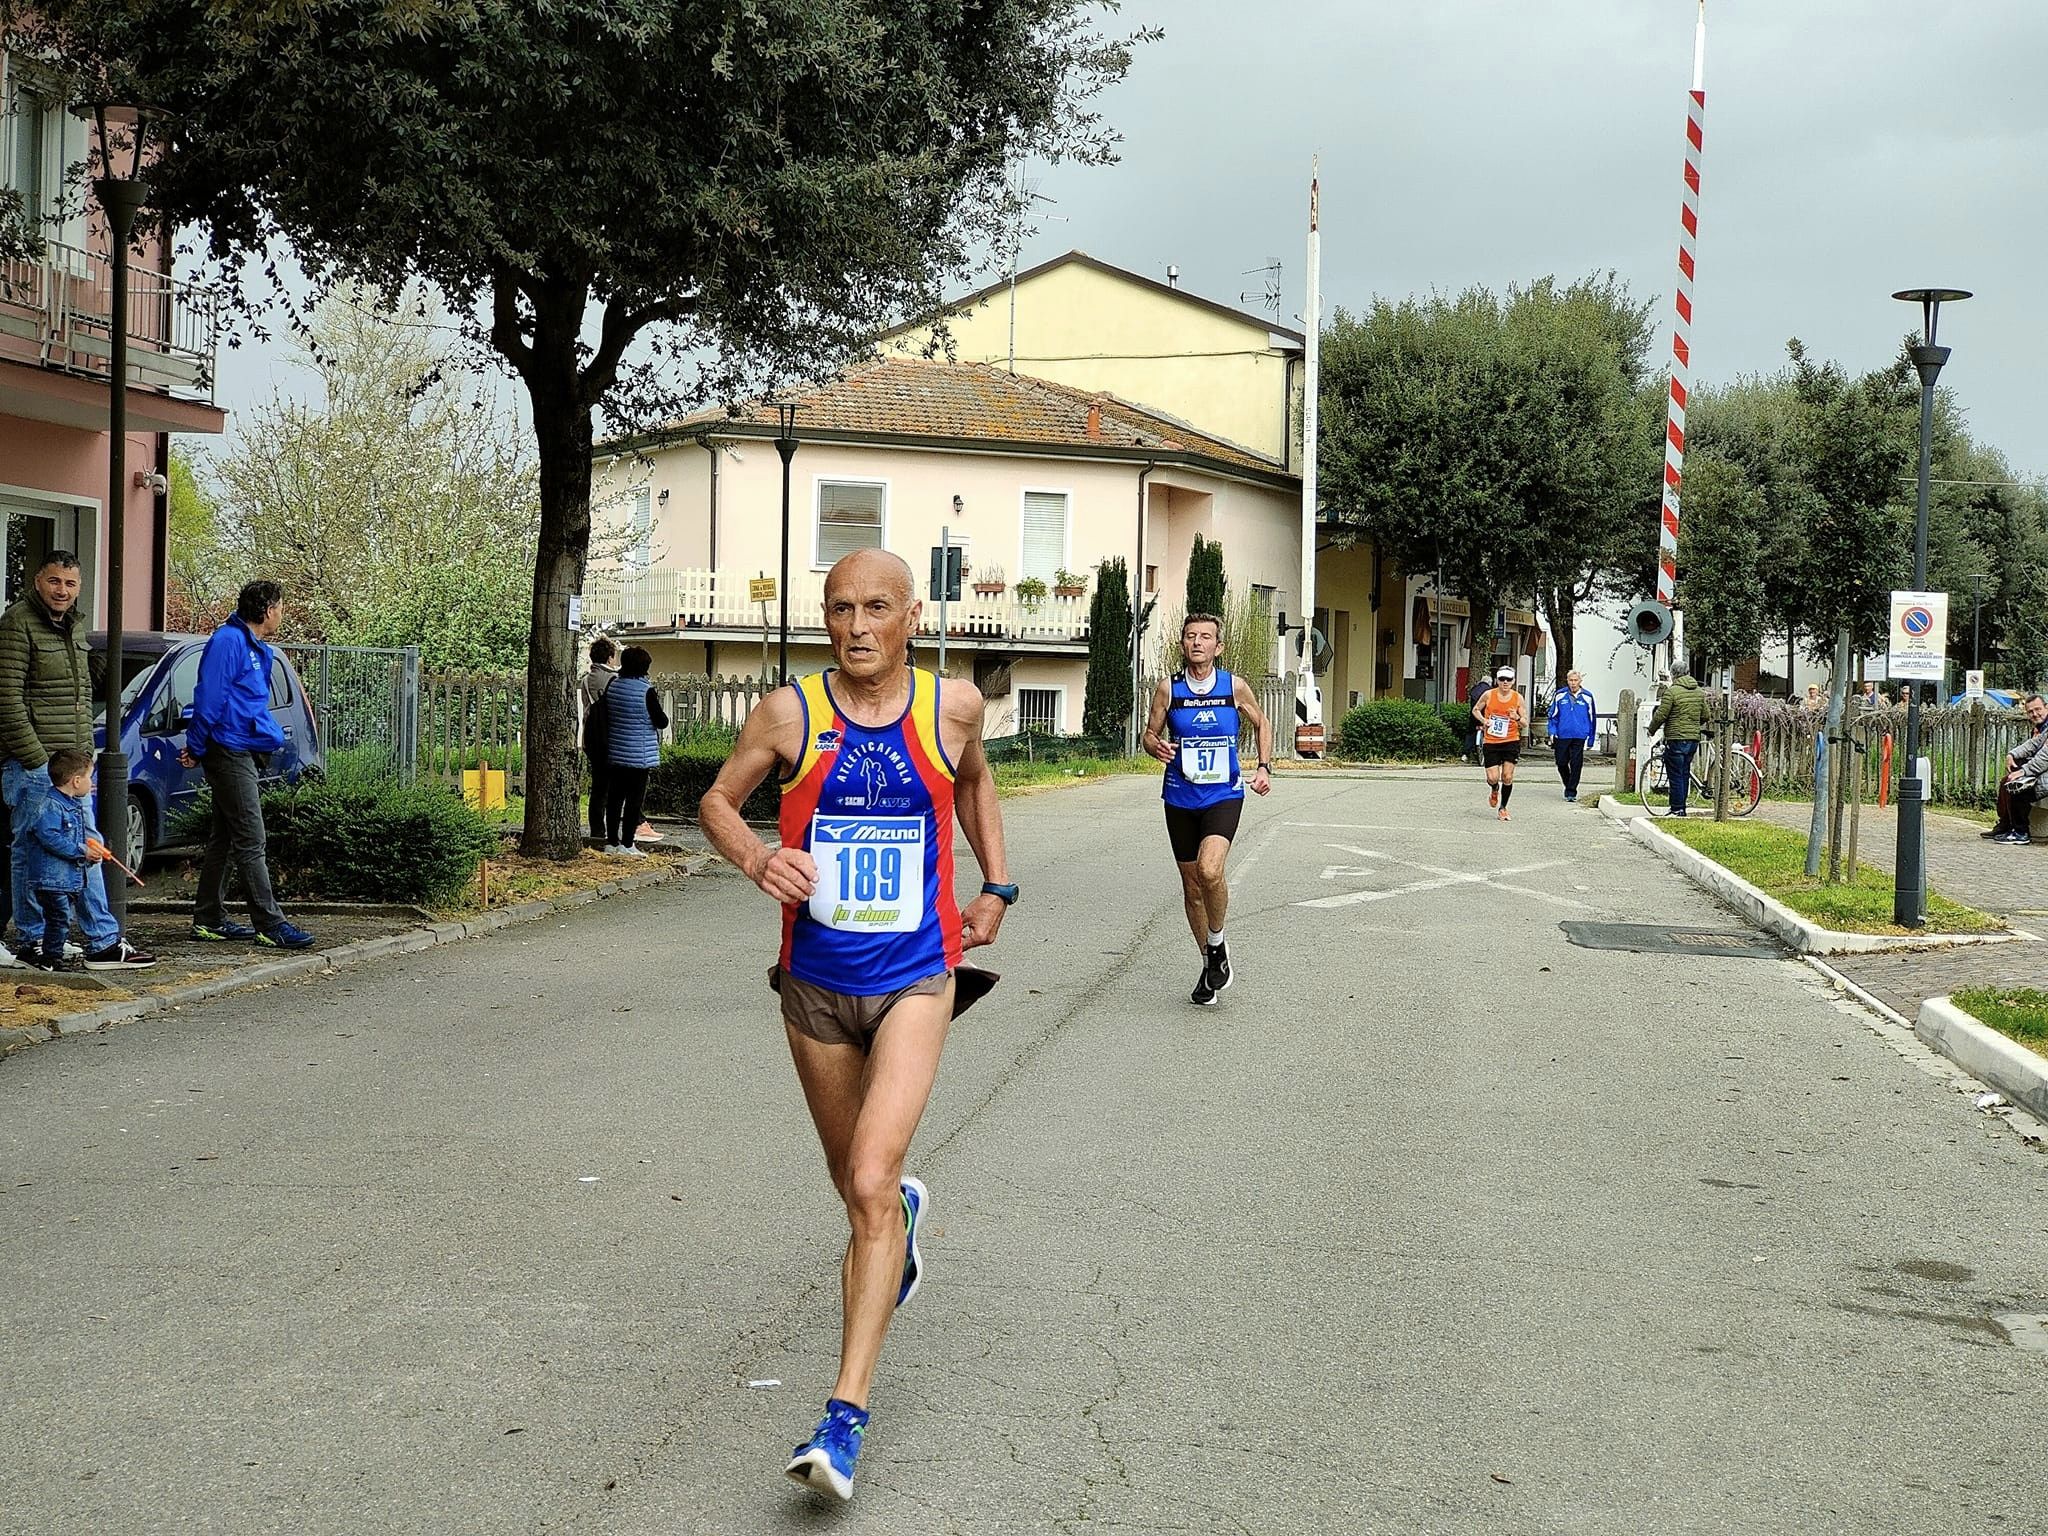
[{"x": 2012, "y": 882}]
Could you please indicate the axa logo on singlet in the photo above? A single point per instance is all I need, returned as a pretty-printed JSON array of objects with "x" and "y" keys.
[{"x": 832, "y": 829}]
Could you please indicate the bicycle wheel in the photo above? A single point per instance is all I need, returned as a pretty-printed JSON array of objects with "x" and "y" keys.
[
  {"x": 1745, "y": 783},
  {"x": 1653, "y": 784}
]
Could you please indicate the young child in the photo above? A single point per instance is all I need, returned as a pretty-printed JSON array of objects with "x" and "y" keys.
[{"x": 58, "y": 855}]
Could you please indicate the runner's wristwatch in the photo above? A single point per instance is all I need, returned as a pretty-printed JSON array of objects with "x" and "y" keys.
[{"x": 1007, "y": 892}]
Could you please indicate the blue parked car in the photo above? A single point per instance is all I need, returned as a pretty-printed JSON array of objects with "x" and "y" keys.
[{"x": 161, "y": 671}]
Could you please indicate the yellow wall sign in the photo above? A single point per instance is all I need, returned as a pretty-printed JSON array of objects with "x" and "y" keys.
[
  {"x": 761, "y": 589},
  {"x": 485, "y": 790}
]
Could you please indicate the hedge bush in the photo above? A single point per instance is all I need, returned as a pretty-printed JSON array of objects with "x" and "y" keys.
[
  {"x": 1458, "y": 717},
  {"x": 1407, "y": 729},
  {"x": 686, "y": 771}
]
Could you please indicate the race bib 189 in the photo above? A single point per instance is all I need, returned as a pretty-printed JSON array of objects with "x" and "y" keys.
[
  {"x": 1205, "y": 759},
  {"x": 870, "y": 873}
]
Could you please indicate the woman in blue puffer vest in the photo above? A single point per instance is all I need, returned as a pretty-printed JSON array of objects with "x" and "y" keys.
[{"x": 634, "y": 721}]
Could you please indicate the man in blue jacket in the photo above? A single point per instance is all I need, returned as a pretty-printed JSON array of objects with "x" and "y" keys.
[
  {"x": 231, "y": 736},
  {"x": 1573, "y": 719}
]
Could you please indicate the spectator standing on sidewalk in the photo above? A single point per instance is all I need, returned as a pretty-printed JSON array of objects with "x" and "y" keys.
[
  {"x": 2037, "y": 717},
  {"x": 1573, "y": 718},
  {"x": 1681, "y": 714},
  {"x": 231, "y": 736},
  {"x": 596, "y": 739},
  {"x": 2026, "y": 779},
  {"x": 635, "y": 720},
  {"x": 49, "y": 680}
]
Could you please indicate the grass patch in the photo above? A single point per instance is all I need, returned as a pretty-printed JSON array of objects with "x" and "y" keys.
[
  {"x": 516, "y": 878},
  {"x": 2020, "y": 1012},
  {"x": 1019, "y": 778},
  {"x": 1774, "y": 860}
]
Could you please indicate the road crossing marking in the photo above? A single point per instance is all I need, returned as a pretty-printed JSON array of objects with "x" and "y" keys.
[{"x": 1444, "y": 878}]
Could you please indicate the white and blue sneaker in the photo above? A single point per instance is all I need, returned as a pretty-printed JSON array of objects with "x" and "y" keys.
[
  {"x": 916, "y": 1198},
  {"x": 825, "y": 1461}
]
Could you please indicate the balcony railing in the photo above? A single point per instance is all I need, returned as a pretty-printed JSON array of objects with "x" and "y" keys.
[
  {"x": 61, "y": 304},
  {"x": 682, "y": 600}
]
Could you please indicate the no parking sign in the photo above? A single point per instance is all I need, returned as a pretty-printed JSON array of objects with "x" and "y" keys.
[{"x": 1919, "y": 636}]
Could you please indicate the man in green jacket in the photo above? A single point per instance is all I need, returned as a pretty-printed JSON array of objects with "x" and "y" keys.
[
  {"x": 48, "y": 683},
  {"x": 1680, "y": 714}
]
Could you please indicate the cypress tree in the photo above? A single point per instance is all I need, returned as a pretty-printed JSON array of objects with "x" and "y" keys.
[
  {"x": 1205, "y": 577},
  {"x": 1108, "y": 706}
]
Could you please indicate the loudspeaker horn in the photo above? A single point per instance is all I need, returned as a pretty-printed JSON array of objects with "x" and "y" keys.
[{"x": 1648, "y": 623}]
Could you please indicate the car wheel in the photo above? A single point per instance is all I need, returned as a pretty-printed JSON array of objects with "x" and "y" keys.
[{"x": 138, "y": 831}]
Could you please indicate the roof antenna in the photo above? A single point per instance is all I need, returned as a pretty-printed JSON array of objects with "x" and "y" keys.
[
  {"x": 1269, "y": 297},
  {"x": 1022, "y": 195}
]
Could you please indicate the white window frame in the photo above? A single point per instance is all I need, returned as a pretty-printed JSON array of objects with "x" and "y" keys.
[
  {"x": 1059, "y": 704},
  {"x": 640, "y": 552},
  {"x": 1066, "y": 544},
  {"x": 62, "y": 131},
  {"x": 818, "y": 484},
  {"x": 76, "y": 519}
]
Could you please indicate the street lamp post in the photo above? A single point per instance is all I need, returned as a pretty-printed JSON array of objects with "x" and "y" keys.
[
  {"x": 1909, "y": 889},
  {"x": 785, "y": 444},
  {"x": 120, "y": 198},
  {"x": 1977, "y": 580}
]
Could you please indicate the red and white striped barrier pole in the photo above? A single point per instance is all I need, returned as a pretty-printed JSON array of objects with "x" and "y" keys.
[{"x": 1681, "y": 334}]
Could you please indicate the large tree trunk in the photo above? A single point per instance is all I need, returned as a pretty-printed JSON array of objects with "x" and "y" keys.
[
  {"x": 562, "y": 427},
  {"x": 1559, "y": 607}
]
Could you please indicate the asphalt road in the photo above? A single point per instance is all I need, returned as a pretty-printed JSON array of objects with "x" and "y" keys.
[{"x": 1438, "y": 1223}]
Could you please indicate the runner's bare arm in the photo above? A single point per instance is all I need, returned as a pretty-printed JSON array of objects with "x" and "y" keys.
[
  {"x": 1155, "y": 744},
  {"x": 768, "y": 742},
  {"x": 974, "y": 803},
  {"x": 1247, "y": 703}
]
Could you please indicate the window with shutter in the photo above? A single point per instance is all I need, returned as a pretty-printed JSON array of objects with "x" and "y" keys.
[
  {"x": 1045, "y": 534},
  {"x": 850, "y": 517},
  {"x": 641, "y": 554}
]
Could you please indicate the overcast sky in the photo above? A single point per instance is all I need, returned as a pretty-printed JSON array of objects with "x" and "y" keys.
[{"x": 1853, "y": 147}]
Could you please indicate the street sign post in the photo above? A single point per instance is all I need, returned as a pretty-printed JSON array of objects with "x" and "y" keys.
[
  {"x": 1973, "y": 686},
  {"x": 1919, "y": 637},
  {"x": 761, "y": 589}
]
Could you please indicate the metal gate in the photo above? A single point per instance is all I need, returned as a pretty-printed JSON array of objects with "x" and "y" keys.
[{"x": 366, "y": 704}]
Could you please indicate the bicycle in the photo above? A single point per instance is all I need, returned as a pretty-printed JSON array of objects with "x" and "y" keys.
[{"x": 1745, "y": 780}]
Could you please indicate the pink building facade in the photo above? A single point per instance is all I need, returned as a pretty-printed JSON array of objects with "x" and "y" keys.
[{"x": 55, "y": 346}]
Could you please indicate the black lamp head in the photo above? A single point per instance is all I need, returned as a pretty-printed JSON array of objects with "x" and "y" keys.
[{"x": 1930, "y": 301}]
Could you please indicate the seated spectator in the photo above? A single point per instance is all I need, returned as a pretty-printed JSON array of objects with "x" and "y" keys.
[
  {"x": 1816, "y": 702},
  {"x": 2010, "y": 821}
]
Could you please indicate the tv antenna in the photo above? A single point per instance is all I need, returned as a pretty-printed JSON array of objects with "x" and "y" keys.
[
  {"x": 1268, "y": 297},
  {"x": 1024, "y": 199}
]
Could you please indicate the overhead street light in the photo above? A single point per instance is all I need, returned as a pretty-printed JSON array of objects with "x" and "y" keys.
[{"x": 1909, "y": 888}]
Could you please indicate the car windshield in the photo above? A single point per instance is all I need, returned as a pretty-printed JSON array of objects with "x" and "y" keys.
[{"x": 135, "y": 669}]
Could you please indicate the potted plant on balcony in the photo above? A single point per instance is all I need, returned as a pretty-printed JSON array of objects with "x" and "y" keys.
[
  {"x": 1066, "y": 583},
  {"x": 1031, "y": 592},
  {"x": 988, "y": 581}
]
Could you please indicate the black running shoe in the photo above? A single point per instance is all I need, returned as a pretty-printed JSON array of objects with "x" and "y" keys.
[
  {"x": 1204, "y": 995},
  {"x": 1217, "y": 972}
]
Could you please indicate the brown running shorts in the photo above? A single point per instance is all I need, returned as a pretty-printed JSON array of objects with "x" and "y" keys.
[{"x": 841, "y": 1018}]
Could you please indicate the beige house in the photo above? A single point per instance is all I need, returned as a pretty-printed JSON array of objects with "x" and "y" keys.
[{"x": 1038, "y": 482}]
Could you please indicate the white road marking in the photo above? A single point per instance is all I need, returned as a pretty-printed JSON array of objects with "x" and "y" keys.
[{"x": 1445, "y": 878}]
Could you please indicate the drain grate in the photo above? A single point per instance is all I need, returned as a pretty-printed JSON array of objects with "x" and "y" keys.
[{"x": 1669, "y": 939}]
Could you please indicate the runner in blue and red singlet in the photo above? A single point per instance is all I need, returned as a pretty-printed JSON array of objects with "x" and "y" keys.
[{"x": 877, "y": 760}]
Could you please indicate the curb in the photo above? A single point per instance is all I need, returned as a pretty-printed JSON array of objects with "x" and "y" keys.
[
  {"x": 2014, "y": 1070},
  {"x": 1799, "y": 934},
  {"x": 344, "y": 956}
]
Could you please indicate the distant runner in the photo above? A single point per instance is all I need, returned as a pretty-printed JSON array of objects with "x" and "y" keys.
[
  {"x": 1193, "y": 729},
  {"x": 1502, "y": 715},
  {"x": 876, "y": 759}
]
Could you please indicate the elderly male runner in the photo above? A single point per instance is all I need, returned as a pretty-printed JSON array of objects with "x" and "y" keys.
[
  {"x": 876, "y": 758},
  {"x": 1193, "y": 730}
]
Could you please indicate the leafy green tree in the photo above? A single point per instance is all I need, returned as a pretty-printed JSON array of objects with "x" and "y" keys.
[
  {"x": 397, "y": 505},
  {"x": 636, "y": 204},
  {"x": 1207, "y": 586},
  {"x": 1108, "y": 708},
  {"x": 1506, "y": 442},
  {"x": 198, "y": 589},
  {"x": 1719, "y": 550}
]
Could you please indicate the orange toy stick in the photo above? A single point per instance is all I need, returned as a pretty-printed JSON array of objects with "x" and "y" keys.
[{"x": 100, "y": 850}]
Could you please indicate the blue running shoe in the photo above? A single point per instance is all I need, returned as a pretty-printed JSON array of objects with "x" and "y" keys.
[
  {"x": 825, "y": 1461},
  {"x": 285, "y": 936},
  {"x": 916, "y": 1198},
  {"x": 222, "y": 933}
]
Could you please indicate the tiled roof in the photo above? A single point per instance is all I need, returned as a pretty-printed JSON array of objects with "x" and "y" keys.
[{"x": 915, "y": 398}]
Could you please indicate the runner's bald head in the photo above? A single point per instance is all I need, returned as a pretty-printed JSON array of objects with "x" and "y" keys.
[{"x": 866, "y": 569}]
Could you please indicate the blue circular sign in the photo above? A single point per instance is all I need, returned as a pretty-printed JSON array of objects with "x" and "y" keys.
[{"x": 1916, "y": 622}]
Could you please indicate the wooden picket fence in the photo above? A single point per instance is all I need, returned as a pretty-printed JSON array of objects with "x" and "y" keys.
[{"x": 467, "y": 719}]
